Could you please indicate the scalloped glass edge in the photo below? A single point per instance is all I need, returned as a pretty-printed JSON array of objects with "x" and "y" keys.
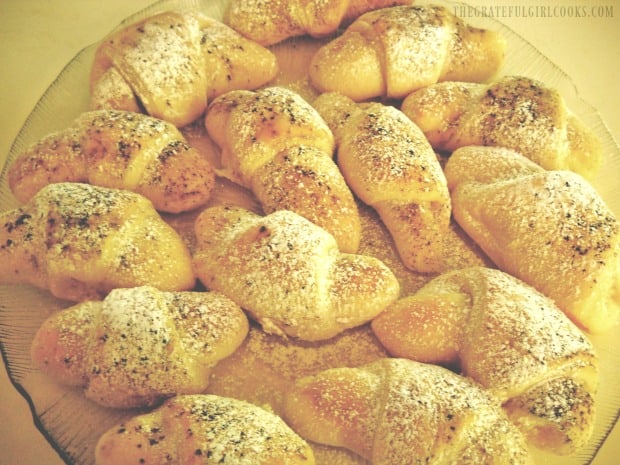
[{"x": 52, "y": 112}]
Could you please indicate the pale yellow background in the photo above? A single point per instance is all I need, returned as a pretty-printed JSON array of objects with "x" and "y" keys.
[{"x": 38, "y": 37}]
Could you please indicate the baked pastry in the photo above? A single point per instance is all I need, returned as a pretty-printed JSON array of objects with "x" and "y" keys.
[
  {"x": 276, "y": 144},
  {"x": 265, "y": 368},
  {"x": 391, "y": 52},
  {"x": 511, "y": 340},
  {"x": 171, "y": 63},
  {"x": 459, "y": 251},
  {"x": 389, "y": 164},
  {"x": 397, "y": 411},
  {"x": 80, "y": 242},
  {"x": 515, "y": 112},
  {"x": 203, "y": 429},
  {"x": 550, "y": 229},
  {"x": 139, "y": 345},
  {"x": 122, "y": 150},
  {"x": 271, "y": 21},
  {"x": 288, "y": 273}
]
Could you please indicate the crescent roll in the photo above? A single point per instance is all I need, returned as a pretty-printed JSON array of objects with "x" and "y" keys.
[
  {"x": 269, "y": 22},
  {"x": 550, "y": 229},
  {"x": 203, "y": 429},
  {"x": 139, "y": 345},
  {"x": 391, "y": 52},
  {"x": 275, "y": 143},
  {"x": 288, "y": 273},
  {"x": 170, "y": 64},
  {"x": 510, "y": 339},
  {"x": 121, "y": 150},
  {"x": 398, "y": 412},
  {"x": 515, "y": 112},
  {"x": 390, "y": 166},
  {"x": 81, "y": 241}
]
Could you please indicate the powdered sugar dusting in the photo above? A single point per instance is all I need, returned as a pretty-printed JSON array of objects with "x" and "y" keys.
[
  {"x": 554, "y": 232},
  {"x": 513, "y": 336},
  {"x": 415, "y": 41},
  {"x": 162, "y": 61},
  {"x": 228, "y": 430},
  {"x": 389, "y": 158},
  {"x": 140, "y": 344},
  {"x": 282, "y": 269}
]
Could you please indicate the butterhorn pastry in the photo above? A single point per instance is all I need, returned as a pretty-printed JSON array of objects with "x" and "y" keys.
[
  {"x": 390, "y": 166},
  {"x": 271, "y": 21},
  {"x": 391, "y": 52},
  {"x": 288, "y": 273},
  {"x": 550, "y": 229},
  {"x": 170, "y": 64},
  {"x": 122, "y": 150},
  {"x": 397, "y": 412},
  {"x": 81, "y": 241},
  {"x": 514, "y": 112},
  {"x": 203, "y": 429},
  {"x": 276, "y": 144},
  {"x": 510, "y": 339},
  {"x": 139, "y": 345}
]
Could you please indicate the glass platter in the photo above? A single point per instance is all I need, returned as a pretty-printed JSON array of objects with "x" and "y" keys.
[{"x": 73, "y": 424}]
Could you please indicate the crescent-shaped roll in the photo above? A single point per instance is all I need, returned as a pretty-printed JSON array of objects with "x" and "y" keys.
[
  {"x": 139, "y": 345},
  {"x": 389, "y": 165},
  {"x": 514, "y": 112},
  {"x": 122, "y": 150},
  {"x": 203, "y": 429},
  {"x": 80, "y": 241},
  {"x": 271, "y": 21},
  {"x": 288, "y": 273},
  {"x": 276, "y": 144},
  {"x": 391, "y": 52},
  {"x": 510, "y": 339},
  {"x": 397, "y": 412},
  {"x": 550, "y": 229},
  {"x": 171, "y": 63}
]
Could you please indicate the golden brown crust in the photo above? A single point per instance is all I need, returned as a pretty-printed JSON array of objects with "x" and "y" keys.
[
  {"x": 111, "y": 91},
  {"x": 459, "y": 251},
  {"x": 303, "y": 179},
  {"x": 269, "y": 22},
  {"x": 509, "y": 338},
  {"x": 393, "y": 51},
  {"x": 390, "y": 165},
  {"x": 514, "y": 112},
  {"x": 232, "y": 62},
  {"x": 80, "y": 241},
  {"x": 288, "y": 273},
  {"x": 265, "y": 366},
  {"x": 139, "y": 345},
  {"x": 173, "y": 62},
  {"x": 122, "y": 150},
  {"x": 207, "y": 428},
  {"x": 486, "y": 164},
  {"x": 555, "y": 413},
  {"x": 161, "y": 60},
  {"x": 276, "y": 144},
  {"x": 395, "y": 411},
  {"x": 550, "y": 229}
]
